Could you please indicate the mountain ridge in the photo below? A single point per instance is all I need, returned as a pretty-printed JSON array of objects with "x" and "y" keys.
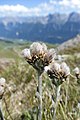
[{"x": 53, "y": 28}]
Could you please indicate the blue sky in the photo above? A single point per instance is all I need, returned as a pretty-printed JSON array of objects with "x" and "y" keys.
[
  {"x": 28, "y": 3},
  {"x": 37, "y": 7}
]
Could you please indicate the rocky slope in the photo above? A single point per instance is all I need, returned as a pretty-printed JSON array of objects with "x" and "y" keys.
[{"x": 72, "y": 43}]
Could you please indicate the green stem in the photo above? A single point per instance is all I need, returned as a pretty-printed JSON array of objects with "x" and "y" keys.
[{"x": 40, "y": 96}]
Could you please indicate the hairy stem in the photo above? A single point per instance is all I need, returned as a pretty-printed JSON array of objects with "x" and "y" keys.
[
  {"x": 40, "y": 96},
  {"x": 56, "y": 102},
  {"x": 66, "y": 99}
]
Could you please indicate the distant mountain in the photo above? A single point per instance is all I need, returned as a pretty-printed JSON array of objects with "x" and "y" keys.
[{"x": 54, "y": 28}]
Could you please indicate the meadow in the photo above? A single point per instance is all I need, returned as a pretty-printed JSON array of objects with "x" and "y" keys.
[{"x": 20, "y": 101}]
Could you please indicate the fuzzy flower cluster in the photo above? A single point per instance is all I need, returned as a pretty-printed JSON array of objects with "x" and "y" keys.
[
  {"x": 77, "y": 72},
  {"x": 2, "y": 86},
  {"x": 39, "y": 56},
  {"x": 58, "y": 72}
]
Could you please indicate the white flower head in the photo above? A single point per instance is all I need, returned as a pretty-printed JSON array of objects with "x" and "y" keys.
[
  {"x": 65, "y": 69},
  {"x": 26, "y": 53},
  {"x": 2, "y": 85},
  {"x": 36, "y": 48},
  {"x": 55, "y": 67},
  {"x": 63, "y": 65},
  {"x": 76, "y": 70},
  {"x": 44, "y": 47}
]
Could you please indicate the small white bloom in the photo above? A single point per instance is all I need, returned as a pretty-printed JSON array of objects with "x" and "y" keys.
[
  {"x": 2, "y": 81},
  {"x": 55, "y": 67},
  {"x": 44, "y": 47},
  {"x": 20, "y": 103},
  {"x": 46, "y": 68},
  {"x": 76, "y": 70},
  {"x": 65, "y": 69},
  {"x": 50, "y": 55},
  {"x": 26, "y": 53},
  {"x": 63, "y": 65},
  {"x": 36, "y": 48},
  {"x": 2, "y": 85}
]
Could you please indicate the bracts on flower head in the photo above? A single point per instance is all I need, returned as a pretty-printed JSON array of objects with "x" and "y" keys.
[
  {"x": 65, "y": 70},
  {"x": 2, "y": 87},
  {"x": 38, "y": 55},
  {"x": 37, "y": 49},
  {"x": 58, "y": 73},
  {"x": 26, "y": 53},
  {"x": 49, "y": 56}
]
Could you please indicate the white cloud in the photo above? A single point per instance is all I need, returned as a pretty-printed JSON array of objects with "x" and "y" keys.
[
  {"x": 20, "y": 10},
  {"x": 75, "y": 3},
  {"x": 42, "y": 9},
  {"x": 46, "y": 8},
  {"x": 67, "y": 5},
  {"x": 17, "y": 10},
  {"x": 64, "y": 3}
]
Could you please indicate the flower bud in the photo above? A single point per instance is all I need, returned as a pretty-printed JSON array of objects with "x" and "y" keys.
[
  {"x": 46, "y": 68},
  {"x": 44, "y": 47},
  {"x": 2, "y": 82},
  {"x": 36, "y": 49},
  {"x": 65, "y": 69},
  {"x": 76, "y": 70},
  {"x": 2, "y": 86},
  {"x": 26, "y": 53},
  {"x": 55, "y": 67},
  {"x": 50, "y": 55},
  {"x": 63, "y": 65}
]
